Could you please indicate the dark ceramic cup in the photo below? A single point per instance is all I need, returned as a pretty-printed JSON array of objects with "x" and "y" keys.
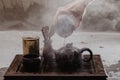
[{"x": 31, "y": 63}]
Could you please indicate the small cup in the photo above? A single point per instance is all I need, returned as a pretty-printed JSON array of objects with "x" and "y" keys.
[{"x": 31, "y": 63}]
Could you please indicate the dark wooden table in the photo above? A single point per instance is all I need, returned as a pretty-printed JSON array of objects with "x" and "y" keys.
[{"x": 93, "y": 70}]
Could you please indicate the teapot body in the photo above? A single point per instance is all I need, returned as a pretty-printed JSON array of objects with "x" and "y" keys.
[{"x": 70, "y": 59}]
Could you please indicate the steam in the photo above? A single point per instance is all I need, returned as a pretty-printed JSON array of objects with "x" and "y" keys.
[
  {"x": 68, "y": 17},
  {"x": 64, "y": 25},
  {"x": 100, "y": 15},
  {"x": 36, "y": 13}
]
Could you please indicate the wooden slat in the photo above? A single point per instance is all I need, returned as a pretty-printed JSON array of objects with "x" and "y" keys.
[
  {"x": 98, "y": 64},
  {"x": 15, "y": 63}
]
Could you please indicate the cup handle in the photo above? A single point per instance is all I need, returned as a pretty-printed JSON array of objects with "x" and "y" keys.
[{"x": 91, "y": 54}]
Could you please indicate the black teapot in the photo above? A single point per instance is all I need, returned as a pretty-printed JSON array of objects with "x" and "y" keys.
[{"x": 67, "y": 58}]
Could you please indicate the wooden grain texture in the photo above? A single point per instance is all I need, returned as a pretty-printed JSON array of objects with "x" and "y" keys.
[
  {"x": 15, "y": 64},
  {"x": 93, "y": 70}
]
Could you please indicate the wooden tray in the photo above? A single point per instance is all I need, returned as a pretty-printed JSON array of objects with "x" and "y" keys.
[{"x": 90, "y": 71}]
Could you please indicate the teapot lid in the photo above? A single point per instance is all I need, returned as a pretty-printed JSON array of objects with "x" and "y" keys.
[{"x": 68, "y": 47}]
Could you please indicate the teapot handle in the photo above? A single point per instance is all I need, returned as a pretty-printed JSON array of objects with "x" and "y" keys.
[{"x": 91, "y": 54}]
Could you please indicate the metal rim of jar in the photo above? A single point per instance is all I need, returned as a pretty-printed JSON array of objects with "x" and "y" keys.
[{"x": 30, "y": 38}]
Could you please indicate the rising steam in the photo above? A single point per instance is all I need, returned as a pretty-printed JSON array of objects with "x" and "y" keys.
[
  {"x": 100, "y": 15},
  {"x": 68, "y": 18}
]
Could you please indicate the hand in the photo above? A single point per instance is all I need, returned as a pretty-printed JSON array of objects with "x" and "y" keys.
[{"x": 68, "y": 18}]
